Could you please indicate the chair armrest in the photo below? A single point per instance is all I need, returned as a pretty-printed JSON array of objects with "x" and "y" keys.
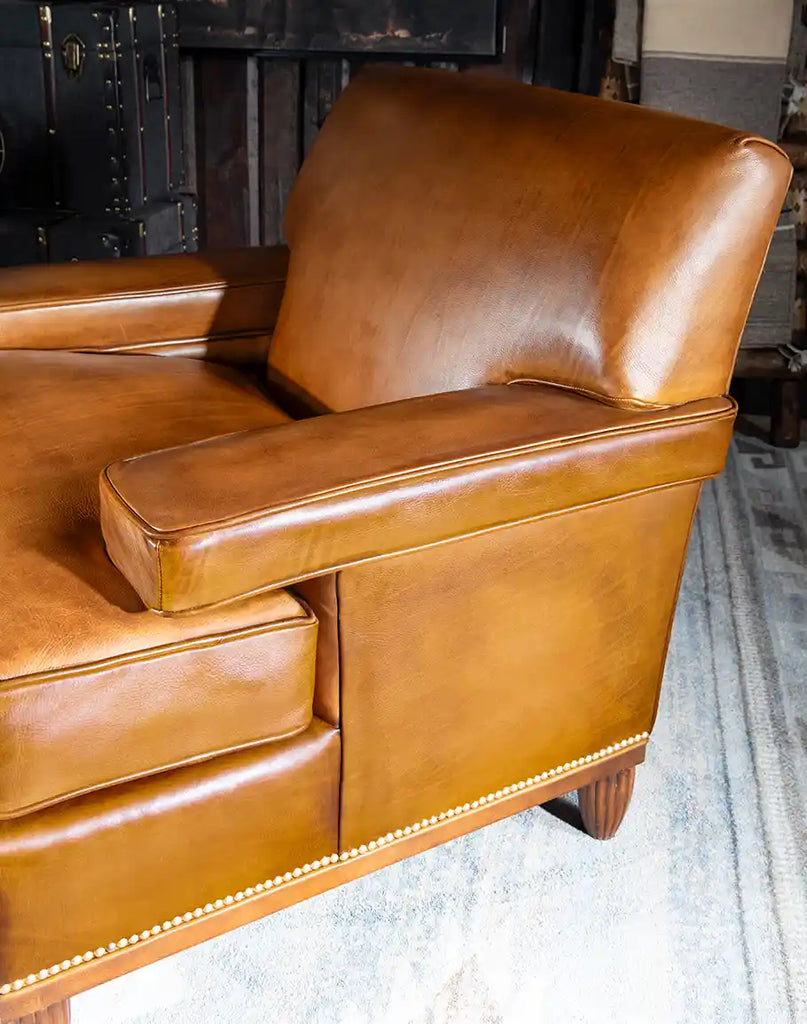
[
  {"x": 223, "y": 518},
  {"x": 156, "y": 303}
]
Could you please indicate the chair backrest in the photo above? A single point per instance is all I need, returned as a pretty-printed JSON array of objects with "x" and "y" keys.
[{"x": 453, "y": 230}]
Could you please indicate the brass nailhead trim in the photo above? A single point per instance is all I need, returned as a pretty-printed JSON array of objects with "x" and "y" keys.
[{"x": 317, "y": 865}]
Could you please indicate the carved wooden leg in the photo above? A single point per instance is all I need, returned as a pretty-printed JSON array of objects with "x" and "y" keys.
[
  {"x": 56, "y": 1013},
  {"x": 603, "y": 803}
]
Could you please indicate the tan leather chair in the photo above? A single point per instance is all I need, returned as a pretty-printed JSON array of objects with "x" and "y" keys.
[{"x": 266, "y": 653}]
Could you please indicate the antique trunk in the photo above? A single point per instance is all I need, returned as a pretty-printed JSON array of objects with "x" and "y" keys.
[
  {"x": 158, "y": 229},
  {"x": 118, "y": 126},
  {"x": 25, "y": 236},
  {"x": 89, "y": 106},
  {"x": 27, "y": 167}
]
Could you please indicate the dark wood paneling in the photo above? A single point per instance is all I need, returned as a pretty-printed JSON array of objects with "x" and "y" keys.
[
  {"x": 280, "y": 142},
  {"x": 222, "y": 149},
  {"x": 323, "y": 80},
  {"x": 257, "y": 116},
  {"x": 187, "y": 75},
  {"x": 560, "y": 34},
  {"x": 348, "y": 26},
  {"x": 573, "y": 44},
  {"x": 518, "y": 43}
]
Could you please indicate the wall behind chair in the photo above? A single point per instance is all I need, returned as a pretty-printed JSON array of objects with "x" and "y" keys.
[{"x": 251, "y": 115}]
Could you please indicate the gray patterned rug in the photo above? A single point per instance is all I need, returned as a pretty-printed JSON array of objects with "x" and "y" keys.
[{"x": 695, "y": 914}]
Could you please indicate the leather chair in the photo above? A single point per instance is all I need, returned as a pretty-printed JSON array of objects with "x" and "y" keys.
[{"x": 264, "y": 633}]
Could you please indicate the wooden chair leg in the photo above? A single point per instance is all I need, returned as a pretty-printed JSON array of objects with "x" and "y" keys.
[
  {"x": 786, "y": 413},
  {"x": 56, "y": 1013},
  {"x": 603, "y": 803}
]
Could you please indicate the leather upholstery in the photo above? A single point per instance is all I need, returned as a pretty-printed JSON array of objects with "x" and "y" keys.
[
  {"x": 94, "y": 688},
  {"x": 351, "y": 487},
  {"x": 471, "y": 665},
  {"x": 449, "y": 231},
  {"x": 320, "y": 594},
  {"x": 114, "y": 863},
  {"x": 485, "y": 575},
  {"x": 164, "y": 303}
]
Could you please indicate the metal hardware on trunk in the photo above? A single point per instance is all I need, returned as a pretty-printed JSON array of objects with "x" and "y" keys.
[{"x": 73, "y": 52}]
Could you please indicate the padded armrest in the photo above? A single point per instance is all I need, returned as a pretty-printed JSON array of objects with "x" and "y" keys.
[
  {"x": 208, "y": 522},
  {"x": 158, "y": 302}
]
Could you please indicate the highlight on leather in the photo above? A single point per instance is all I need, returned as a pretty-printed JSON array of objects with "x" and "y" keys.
[
  {"x": 348, "y": 488},
  {"x": 449, "y": 231},
  {"x": 260, "y": 679},
  {"x": 155, "y": 303}
]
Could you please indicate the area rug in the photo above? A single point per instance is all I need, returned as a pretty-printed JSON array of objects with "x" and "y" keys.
[{"x": 696, "y": 913}]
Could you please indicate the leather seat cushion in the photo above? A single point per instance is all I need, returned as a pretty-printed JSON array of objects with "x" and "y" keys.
[
  {"x": 113, "y": 863},
  {"x": 94, "y": 689}
]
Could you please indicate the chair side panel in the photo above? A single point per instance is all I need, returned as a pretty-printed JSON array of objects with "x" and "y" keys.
[{"x": 471, "y": 665}]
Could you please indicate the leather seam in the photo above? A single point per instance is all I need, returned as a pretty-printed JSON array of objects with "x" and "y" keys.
[
  {"x": 158, "y": 555},
  {"x": 340, "y": 566},
  {"x": 421, "y": 472},
  {"x": 130, "y": 513},
  {"x": 597, "y": 396},
  {"x": 495, "y": 798},
  {"x": 135, "y": 295},
  {"x": 221, "y": 639},
  {"x": 256, "y": 333},
  {"x": 123, "y": 780},
  {"x": 744, "y": 141},
  {"x": 679, "y": 581},
  {"x": 340, "y": 683}
]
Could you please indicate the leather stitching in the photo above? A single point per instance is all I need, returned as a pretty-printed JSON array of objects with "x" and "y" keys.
[
  {"x": 144, "y": 293},
  {"x": 339, "y": 566},
  {"x": 158, "y": 554},
  {"x": 180, "y": 533},
  {"x": 153, "y": 653},
  {"x": 597, "y": 396}
]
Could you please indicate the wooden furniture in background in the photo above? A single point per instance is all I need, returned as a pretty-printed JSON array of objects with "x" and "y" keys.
[
  {"x": 378, "y": 26},
  {"x": 255, "y": 102},
  {"x": 785, "y": 391}
]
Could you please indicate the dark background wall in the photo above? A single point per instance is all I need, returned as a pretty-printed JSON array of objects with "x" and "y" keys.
[{"x": 252, "y": 114}]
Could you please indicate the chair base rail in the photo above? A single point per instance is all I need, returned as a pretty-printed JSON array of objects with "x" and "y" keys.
[{"x": 27, "y": 996}]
